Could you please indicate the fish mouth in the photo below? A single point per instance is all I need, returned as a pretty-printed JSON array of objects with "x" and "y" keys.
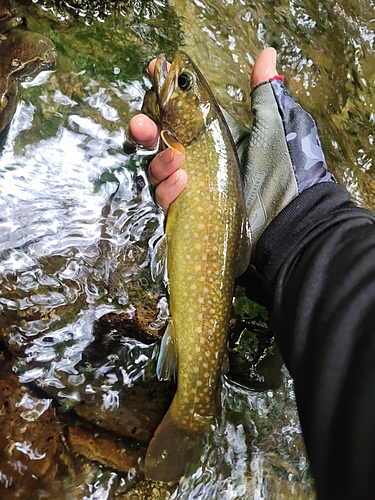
[{"x": 165, "y": 81}]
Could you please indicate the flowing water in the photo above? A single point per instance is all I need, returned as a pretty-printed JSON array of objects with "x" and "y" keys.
[{"x": 76, "y": 227}]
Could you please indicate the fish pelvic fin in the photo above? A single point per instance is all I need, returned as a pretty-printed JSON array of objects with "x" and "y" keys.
[
  {"x": 167, "y": 361},
  {"x": 171, "y": 451}
]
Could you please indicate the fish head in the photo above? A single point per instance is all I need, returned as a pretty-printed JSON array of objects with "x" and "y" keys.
[{"x": 184, "y": 98}]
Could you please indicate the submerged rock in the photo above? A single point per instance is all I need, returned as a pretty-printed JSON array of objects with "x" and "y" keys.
[
  {"x": 112, "y": 452},
  {"x": 21, "y": 53},
  {"x": 148, "y": 490},
  {"x": 140, "y": 409},
  {"x": 90, "y": 8},
  {"x": 30, "y": 438},
  {"x": 8, "y": 20}
]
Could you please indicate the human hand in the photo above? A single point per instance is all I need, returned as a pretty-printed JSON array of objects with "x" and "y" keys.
[{"x": 281, "y": 155}]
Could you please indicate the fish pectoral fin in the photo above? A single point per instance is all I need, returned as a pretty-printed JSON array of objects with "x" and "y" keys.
[
  {"x": 159, "y": 260},
  {"x": 171, "y": 142},
  {"x": 167, "y": 361},
  {"x": 244, "y": 247},
  {"x": 171, "y": 451}
]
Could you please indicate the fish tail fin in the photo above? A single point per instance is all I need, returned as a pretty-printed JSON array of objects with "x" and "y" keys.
[{"x": 171, "y": 450}]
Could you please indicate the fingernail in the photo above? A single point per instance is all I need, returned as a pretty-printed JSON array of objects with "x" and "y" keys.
[{"x": 166, "y": 156}]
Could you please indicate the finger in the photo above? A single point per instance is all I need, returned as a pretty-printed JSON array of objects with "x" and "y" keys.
[
  {"x": 144, "y": 131},
  {"x": 264, "y": 67},
  {"x": 171, "y": 188},
  {"x": 164, "y": 165},
  {"x": 151, "y": 67}
]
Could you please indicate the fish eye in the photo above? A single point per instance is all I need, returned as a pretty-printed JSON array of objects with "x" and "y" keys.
[{"x": 186, "y": 80}]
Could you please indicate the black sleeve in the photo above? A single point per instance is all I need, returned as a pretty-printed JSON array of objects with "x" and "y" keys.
[{"x": 318, "y": 260}]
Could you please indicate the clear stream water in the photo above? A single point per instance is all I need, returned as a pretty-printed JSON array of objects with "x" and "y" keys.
[{"x": 74, "y": 229}]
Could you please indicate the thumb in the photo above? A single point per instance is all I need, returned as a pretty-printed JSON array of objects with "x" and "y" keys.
[{"x": 264, "y": 67}]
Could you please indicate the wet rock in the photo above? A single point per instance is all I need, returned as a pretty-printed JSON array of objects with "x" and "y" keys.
[
  {"x": 35, "y": 455},
  {"x": 21, "y": 53},
  {"x": 141, "y": 409},
  {"x": 118, "y": 454},
  {"x": 148, "y": 490},
  {"x": 8, "y": 20},
  {"x": 254, "y": 358},
  {"x": 255, "y": 361},
  {"x": 29, "y": 438},
  {"x": 96, "y": 8},
  {"x": 141, "y": 325},
  {"x": 122, "y": 341}
]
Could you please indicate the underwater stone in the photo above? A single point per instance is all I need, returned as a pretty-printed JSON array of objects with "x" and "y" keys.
[
  {"x": 21, "y": 53},
  {"x": 27, "y": 448},
  {"x": 115, "y": 453}
]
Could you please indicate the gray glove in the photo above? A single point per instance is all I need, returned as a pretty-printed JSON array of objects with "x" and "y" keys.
[{"x": 281, "y": 156}]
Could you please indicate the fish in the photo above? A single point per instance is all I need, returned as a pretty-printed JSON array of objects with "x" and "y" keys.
[{"x": 206, "y": 245}]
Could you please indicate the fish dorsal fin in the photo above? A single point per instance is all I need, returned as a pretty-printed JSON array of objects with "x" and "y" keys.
[
  {"x": 244, "y": 247},
  {"x": 167, "y": 362},
  {"x": 158, "y": 264}
]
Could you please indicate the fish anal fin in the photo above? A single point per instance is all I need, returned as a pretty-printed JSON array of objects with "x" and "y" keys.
[
  {"x": 171, "y": 451},
  {"x": 167, "y": 361}
]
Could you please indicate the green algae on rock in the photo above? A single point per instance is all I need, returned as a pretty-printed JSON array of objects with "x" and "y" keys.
[{"x": 21, "y": 53}]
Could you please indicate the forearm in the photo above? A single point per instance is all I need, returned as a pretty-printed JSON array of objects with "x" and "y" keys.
[{"x": 318, "y": 259}]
